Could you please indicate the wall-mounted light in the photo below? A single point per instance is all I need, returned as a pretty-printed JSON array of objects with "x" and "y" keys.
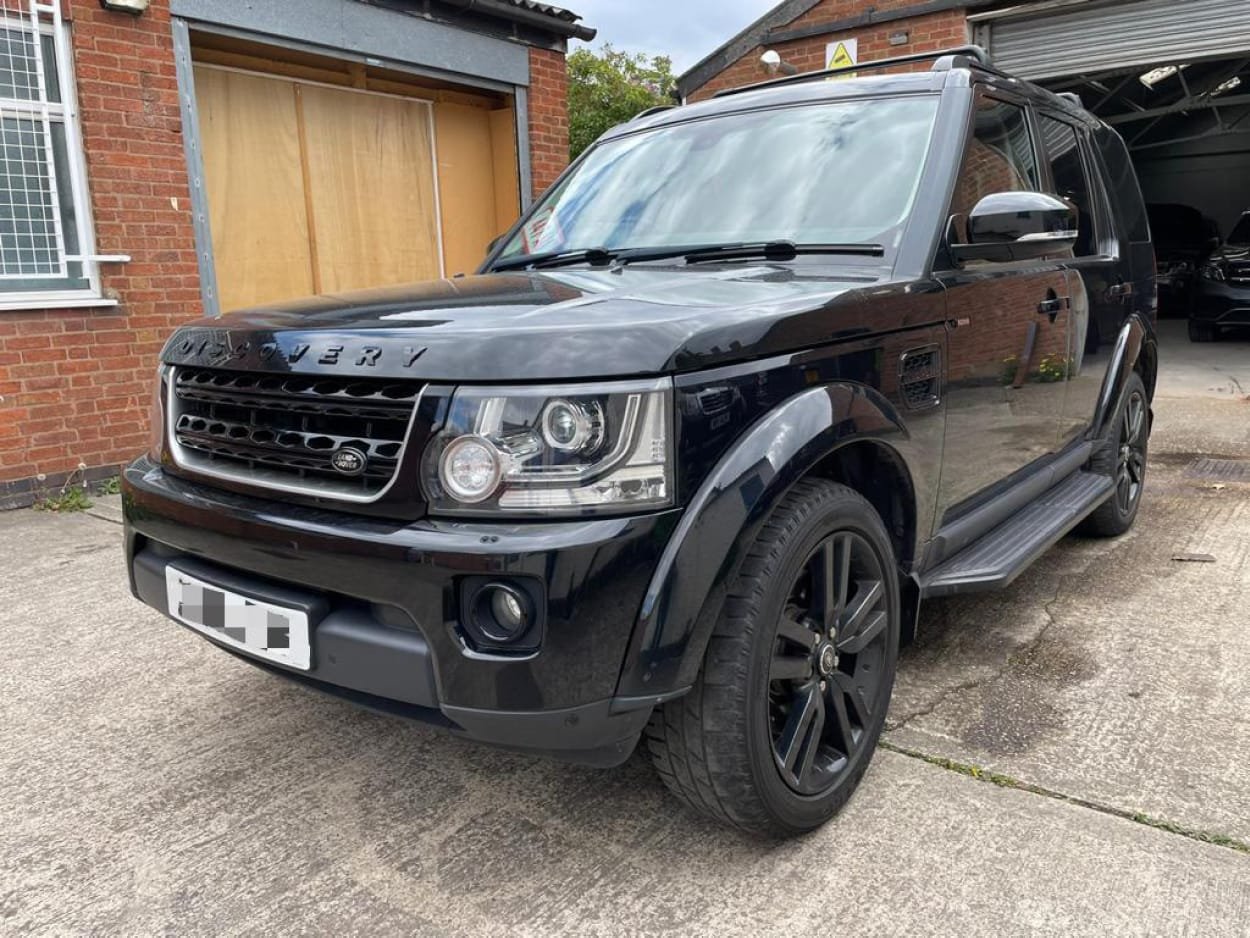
[
  {"x": 899, "y": 38},
  {"x": 773, "y": 64},
  {"x": 134, "y": 7}
]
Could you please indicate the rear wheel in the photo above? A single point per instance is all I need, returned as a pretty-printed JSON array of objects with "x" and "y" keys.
[
  {"x": 1121, "y": 454},
  {"x": 787, "y": 710}
]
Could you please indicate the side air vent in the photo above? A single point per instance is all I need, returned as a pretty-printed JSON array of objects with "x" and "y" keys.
[{"x": 920, "y": 377}]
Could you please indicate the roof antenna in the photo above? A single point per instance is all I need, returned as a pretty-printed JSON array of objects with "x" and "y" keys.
[{"x": 772, "y": 63}]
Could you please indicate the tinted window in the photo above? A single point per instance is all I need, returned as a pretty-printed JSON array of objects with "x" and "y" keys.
[
  {"x": 832, "y": 172},
  {"x": 1071, "y": 182},
  {"x": 1122, "y": 180},
  {"x": 999, "y": 157}
]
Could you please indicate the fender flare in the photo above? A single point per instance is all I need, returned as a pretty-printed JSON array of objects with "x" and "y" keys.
[
  {"x": 1136, "y": 344},
  {"x": 702, "y": 557}
]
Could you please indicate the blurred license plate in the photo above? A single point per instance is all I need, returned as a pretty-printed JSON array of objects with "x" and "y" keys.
[{"x": 275, "y": 633}]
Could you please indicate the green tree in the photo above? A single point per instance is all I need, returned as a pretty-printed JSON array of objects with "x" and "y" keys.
[{"x": 609, "y": 87}]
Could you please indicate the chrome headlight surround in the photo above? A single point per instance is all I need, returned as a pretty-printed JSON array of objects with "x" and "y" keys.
[{"x": 614, "y": 456}]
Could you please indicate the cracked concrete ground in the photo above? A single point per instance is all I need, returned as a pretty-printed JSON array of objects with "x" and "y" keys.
[{"x": 151, "y": 784}]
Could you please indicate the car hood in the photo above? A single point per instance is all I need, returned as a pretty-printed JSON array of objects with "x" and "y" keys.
[{"x": 548, "y": 325}]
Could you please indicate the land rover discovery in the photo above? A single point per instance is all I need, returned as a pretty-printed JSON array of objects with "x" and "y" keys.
[{"x": 678, "y": 466}]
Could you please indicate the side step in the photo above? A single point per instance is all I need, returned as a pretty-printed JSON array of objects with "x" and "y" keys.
[{"x": 1000, "y": 556}]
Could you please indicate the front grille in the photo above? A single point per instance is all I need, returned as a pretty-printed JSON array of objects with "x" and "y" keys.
[
  {"x": 1239, "y": 273},
  {"x": 283, "y": 431}
]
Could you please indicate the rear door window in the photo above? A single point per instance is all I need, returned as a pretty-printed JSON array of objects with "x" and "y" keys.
[
  {"x": 1122, "y": 180},
  {"x": 1071, "y": 178}
]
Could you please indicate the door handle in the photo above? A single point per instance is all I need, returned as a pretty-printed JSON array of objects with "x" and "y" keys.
[
  {"x": 1053, "y": 307},
  {"x": 1119, "y": 291}
]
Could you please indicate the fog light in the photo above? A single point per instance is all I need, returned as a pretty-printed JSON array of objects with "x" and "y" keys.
[
  {"x": 470, "y": 469},
  {"x": 502, "y": 613},
  {"x": 508, "y": 610}
]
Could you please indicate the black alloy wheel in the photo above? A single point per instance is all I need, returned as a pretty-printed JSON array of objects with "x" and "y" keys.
[
  {"x": 784, "y": 717},
  {"x": 1131, "y": 468},
  {"x": 827, "y": 672},
  {"x": 1120, "y": 455}
]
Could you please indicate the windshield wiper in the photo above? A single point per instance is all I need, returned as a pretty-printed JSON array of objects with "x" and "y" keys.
[
  {"x": 693, "y": 254},
  {"x": 596, "y": 257},
  {"x": 778, "y": 251}
]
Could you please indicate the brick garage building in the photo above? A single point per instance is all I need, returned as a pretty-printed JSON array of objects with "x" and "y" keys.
[
  {"x": 202, "y": 155},
  {"x": 801, "y": 31}
]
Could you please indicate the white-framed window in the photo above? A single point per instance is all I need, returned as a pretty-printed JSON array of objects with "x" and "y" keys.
[{"x": 47, "y": 250}]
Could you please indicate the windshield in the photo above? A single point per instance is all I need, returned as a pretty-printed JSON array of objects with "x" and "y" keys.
[
  {"x": 844, "y": 172},
  {"x": 1240, "y": 235}
]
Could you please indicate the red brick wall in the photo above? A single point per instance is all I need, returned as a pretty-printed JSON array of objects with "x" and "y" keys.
[
  {"x": 75, "y": 384},
  {"x": 926, "y": 33},
  {"x": 548, "y": 117}
]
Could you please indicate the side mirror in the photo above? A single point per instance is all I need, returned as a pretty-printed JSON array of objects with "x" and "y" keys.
[
  {"x": 1018, "y": 226},
  {"x": 490, "y": 248}
]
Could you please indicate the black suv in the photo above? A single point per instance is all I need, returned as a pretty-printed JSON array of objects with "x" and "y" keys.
[
  {"x": 1222, "y": 294},
  {"x": 753, "y": 378}
]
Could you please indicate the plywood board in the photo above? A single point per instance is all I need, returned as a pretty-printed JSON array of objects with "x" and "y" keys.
[
  {"x": 465, "y": 176},
  {"x": 370, "y": 174},
  {"x": 250, "y": 139},
  {"x": 507, "y": 179}
]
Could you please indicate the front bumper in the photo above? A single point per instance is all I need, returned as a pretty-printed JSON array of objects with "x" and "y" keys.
[
  {"x": 1222, "y": 303},
  {"x": 386, "y": 624}
]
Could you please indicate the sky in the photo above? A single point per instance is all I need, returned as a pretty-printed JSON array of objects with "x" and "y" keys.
[{"x": 685, "y": 30}]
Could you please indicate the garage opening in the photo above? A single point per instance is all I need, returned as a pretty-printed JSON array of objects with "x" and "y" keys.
[
  {"x": 325, "y": 175},
  {"x": 1174, "y": 80}
]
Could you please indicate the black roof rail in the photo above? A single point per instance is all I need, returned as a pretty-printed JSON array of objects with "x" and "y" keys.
[
  {"x": 1071, "y": 97},
  {"x": 653, "y": 110},
  {"x": 960, "y": 56}
]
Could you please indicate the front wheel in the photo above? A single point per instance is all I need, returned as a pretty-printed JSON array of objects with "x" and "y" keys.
[{"x": 786, "y": 713}]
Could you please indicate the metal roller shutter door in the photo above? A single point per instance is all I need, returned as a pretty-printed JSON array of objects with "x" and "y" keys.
[{"x": 1124, "y": 35}]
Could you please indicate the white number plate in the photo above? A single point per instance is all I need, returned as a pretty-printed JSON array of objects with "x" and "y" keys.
[{"x": 275, "y": 633}]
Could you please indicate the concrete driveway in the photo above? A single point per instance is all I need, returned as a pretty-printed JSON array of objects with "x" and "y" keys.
[{"x": 1068, "y": 758}]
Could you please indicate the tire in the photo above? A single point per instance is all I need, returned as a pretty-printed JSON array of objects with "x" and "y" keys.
[
  {"x": 737, "y": 747},
  {"x": 1200, "y": 331},
  {"x": 1121, "y": 454}
]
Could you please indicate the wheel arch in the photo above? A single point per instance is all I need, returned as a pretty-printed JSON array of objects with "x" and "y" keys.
[
  {"x": 843, "y": 432},
  {"x": 1136, "y": 350}
]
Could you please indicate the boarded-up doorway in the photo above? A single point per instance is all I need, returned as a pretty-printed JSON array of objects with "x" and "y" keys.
[{"x": 314, "y": 188}]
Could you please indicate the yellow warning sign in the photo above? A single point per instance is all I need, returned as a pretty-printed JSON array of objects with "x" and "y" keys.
[{"x": 841, "y": 57}]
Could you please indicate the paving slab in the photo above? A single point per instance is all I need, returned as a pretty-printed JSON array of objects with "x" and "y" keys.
[
  {"x": 149, "y": 783},
  {"x": 1111, "y": 672}
]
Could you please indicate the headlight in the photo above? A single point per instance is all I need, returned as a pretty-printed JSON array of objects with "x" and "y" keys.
[
  {"x": 1213, "y": 272},
  {"x": 156, "y": 416},
  {"x": 563, "y": 450}
]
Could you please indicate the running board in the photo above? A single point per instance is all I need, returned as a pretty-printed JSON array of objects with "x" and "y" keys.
[{"x": 992, "y": 562}]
